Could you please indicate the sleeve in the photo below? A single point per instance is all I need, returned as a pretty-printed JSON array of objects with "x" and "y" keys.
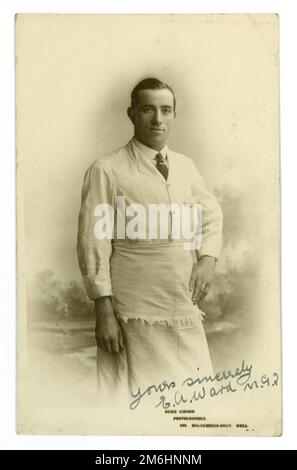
[
  {"x": 212, "y": 217},
  {"x": 93, "y": 253}
]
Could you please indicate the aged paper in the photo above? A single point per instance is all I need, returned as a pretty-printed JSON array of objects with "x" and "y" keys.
[{"x": 74, "y": 76}]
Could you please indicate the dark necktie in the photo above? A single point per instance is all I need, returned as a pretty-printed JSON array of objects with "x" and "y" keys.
[{"x": 161, "y": 165}]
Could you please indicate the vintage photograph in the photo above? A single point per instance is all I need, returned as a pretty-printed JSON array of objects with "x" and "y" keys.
[{"x": 148, "y": 220}]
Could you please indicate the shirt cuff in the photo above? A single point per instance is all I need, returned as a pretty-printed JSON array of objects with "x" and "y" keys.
[
  {"x": 209, "y": 251},
  {"x": 97, "y": 287}
]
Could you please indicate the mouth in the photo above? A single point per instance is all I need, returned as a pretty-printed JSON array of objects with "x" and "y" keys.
[{"x": 155, "y": 129}]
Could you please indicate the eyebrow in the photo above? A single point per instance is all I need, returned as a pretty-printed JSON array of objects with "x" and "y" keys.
[{"x": 168, "y": 106}]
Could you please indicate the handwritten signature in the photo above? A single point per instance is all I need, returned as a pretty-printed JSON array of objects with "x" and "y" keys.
[{"x": 209, "y": 386}]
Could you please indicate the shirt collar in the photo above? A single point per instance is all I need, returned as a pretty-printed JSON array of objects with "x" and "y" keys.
[{"x": 149, "y": 152}]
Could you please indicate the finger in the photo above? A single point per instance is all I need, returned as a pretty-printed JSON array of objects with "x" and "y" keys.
[
  {"x": 203, "y": 291},
  {"x": 196, "y": 290},
  {"x": 114, "y": 342},
  {"x": 192, "y": 281},
  {"x": 97, "y": 337},
  {"x": 101, "y": 344},
  {"x": 106, "y": 345},
  {"x": 121, "y": 339},
  {"x": 202, "y": 296}
]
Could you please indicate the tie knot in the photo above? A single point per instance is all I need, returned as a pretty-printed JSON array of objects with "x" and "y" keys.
[
  {"x": 160, "y": 158},
  {"x": 162, "y": 165}
]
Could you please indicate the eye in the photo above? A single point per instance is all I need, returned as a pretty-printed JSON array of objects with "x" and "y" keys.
[
  {"x": 146, "y": 109},
  {"x": 167, "y": 111}
]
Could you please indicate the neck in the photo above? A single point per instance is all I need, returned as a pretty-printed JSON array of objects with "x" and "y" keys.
[{"x": 156, "y": 147}]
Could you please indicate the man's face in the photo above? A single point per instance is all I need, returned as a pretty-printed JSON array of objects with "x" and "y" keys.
[{"x": 152, "y": 117}]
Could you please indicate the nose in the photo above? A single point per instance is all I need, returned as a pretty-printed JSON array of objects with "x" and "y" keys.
[{"x": 157, "y": 118}]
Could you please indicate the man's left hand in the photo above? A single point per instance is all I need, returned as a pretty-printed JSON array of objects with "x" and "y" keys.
[{"x": 201, "y": 278}]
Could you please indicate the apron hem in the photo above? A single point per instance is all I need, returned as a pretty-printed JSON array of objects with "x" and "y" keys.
[{"x": 169, "y": 322}]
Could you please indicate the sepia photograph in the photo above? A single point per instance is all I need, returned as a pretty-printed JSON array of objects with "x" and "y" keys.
[{"x": 148, "y": 224}]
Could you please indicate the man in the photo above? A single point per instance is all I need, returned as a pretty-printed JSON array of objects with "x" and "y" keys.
[{"x": 146, "y": 287}]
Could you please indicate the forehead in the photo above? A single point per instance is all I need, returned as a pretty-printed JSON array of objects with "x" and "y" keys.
[{"x": 162, "y": 97}]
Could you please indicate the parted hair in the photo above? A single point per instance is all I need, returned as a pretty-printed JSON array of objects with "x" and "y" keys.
[{"x": 150, "y": 84}]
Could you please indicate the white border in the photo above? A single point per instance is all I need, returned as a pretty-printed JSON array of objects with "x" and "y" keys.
[{"x": 288, "y": 41}]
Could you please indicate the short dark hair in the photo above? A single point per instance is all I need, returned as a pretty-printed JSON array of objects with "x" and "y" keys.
[{"x": 150, "y": 84}]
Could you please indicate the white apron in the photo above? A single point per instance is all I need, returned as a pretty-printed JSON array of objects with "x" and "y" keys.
[{"x": 163, "y": 331}]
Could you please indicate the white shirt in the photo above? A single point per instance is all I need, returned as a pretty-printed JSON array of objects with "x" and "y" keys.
[
  {"x": 149, "y": 152},
  {"x": 131, "y": 172}
]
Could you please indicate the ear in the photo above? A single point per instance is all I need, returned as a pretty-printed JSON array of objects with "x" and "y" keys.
[{"x": 131, "y": 114}]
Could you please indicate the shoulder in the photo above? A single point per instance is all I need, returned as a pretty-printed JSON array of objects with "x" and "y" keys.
[
  {"x": 183, "y": 160},
  {"x": 184, "y": 165},
  {"x": 108, "y": 162},
  {"x": 113, "y": 158},
  {"x": 180, "y": 156}
]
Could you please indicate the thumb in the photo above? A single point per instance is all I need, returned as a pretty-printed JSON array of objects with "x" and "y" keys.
[
  {"x": 192, "y": 279},
  {"x": 121, "y": 339}
]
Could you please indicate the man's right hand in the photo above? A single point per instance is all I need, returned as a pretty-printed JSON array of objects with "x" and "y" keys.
[{"x": 108, "y": 331}]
